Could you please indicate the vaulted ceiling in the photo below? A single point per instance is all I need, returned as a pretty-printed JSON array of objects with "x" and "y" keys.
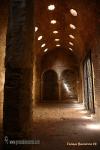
[
  {"x": 76, "y": 22},
  {"x": 83, "y": 26}
]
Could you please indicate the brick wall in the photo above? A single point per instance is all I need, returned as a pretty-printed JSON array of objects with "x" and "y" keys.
[
  {"x": 36, "y": 90},
  {"x": 96, "y": 75},
  {"x": 17, "y": 110},
  {"x": 94, "y": 46},
  {"x": 60, "y": 60}
]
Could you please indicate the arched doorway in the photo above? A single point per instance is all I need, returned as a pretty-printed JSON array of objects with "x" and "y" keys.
[
  {"x": 68, "y": 85},
  {"x": 50, "y": 86}
]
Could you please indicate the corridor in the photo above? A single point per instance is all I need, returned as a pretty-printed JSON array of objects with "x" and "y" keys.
[
  {"x": 50, "y": 74},
  {"x": 65, "y": 127}
]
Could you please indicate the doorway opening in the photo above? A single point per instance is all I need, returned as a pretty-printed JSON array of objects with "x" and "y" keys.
[
  {"x": 68, "y": 85},
  {"x": 50, "y": 86}
]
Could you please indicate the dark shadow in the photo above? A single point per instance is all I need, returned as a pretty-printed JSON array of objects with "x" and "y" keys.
[{"x": 50, "y": 90}]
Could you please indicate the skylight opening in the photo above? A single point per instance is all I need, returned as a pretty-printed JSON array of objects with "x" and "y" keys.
[
  {"x": 40, "y": 38},
  {"x": 73, "y": 12},
  {"x": 72, "y": 26},
  {"x": 51, "y": 7},
  {"x": 71, "y": 36},
  {"x": 55, "y": 32},
  {"x": 71, "y": 43},
  {"x": 57, "y": 40},
  {"x": 46, "y": 50},
  {"x": 43, "y": 45},
  {"x": 53, "y": 21},
  {"x": 70, "y": 49},
  {"x": 36, "y": 29},
  {"x": 58, "y": 45}
]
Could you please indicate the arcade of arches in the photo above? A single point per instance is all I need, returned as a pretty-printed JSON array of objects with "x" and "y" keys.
[{"x": 46, "y": 74}]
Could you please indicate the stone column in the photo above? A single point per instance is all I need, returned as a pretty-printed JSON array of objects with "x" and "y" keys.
[
  {"x": 60, "y": 86},
  {"x": 17, "y": 118}
]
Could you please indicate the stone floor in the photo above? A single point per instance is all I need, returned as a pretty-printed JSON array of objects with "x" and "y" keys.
[{"x": 64, "y": 127}]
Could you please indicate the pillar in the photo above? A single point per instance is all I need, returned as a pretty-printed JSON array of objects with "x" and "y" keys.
[
  {"x": 60, "y": 87},
  {"x": 17, "y": 110}
]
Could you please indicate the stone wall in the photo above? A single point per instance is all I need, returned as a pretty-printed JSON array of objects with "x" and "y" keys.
[{"x": 3, "y": 31}]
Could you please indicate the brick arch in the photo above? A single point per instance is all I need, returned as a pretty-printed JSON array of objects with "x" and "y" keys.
[{"x": 68, "y": 85}]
